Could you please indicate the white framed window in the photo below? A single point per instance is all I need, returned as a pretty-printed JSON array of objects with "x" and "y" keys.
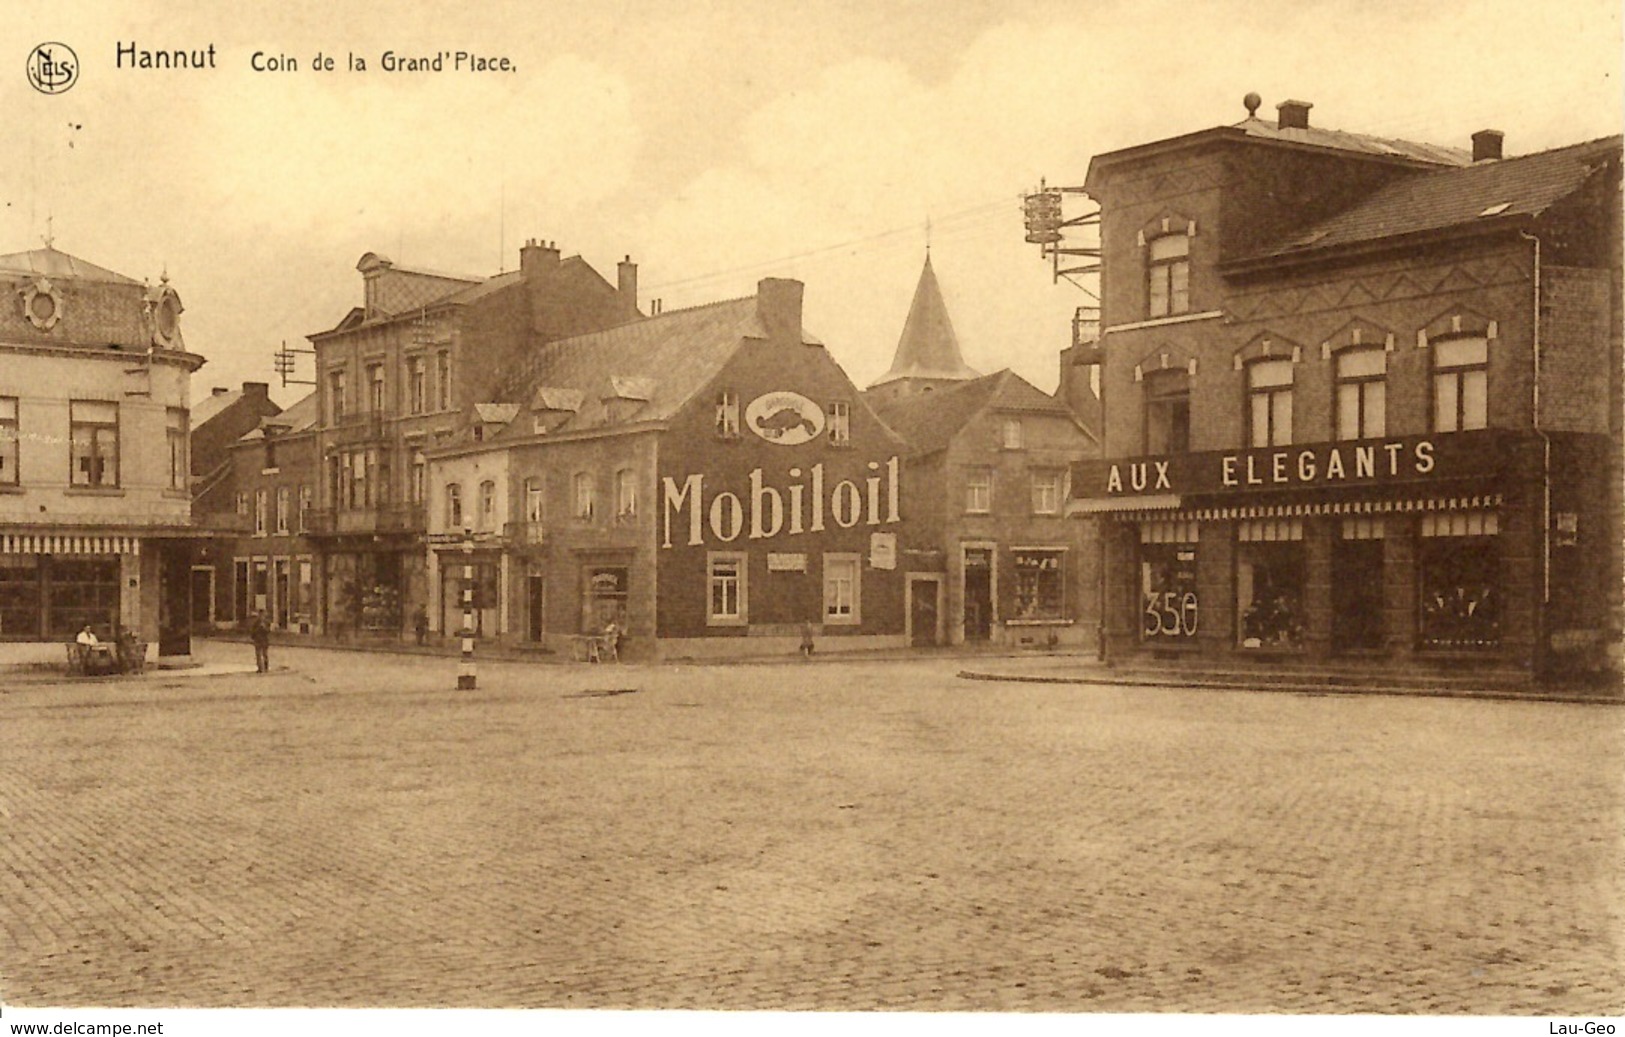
[
  {"x": 420, "y": 476},
  {"x": 305, "y": 498},
  {"x": 454, "y": 507},
  {"x": 1047, "y": 488},
  {"x": 1362, "y": 393},
  {"x": 586, "y": 502},
  {"x": 626, "y": 495},
  {"x": 839, "y": 425},
  {"x": 242, "y": 503},
  {"x": 175, "y": 433},
  {"x": 979, "y": 490},
  {"x": 9, "y": 439},
  {"x": 1461, "y": 372},
  {"x": 1269, "y": 403},
  {"x": 1168, "y": 275},
  {"x": 336, "y": 386},
  {"x": 727, "y": 596},
  {"x": 1040, "y": 583},
  {"x": 488, "y": 504},
  {"x": 417, "y": 384},
  {"x": 93, "y": 429},
  {"x": 282, "y": 500},
  {"x": 534, "y": 500},
  {"x": 843, "y": 575},
  {"x": 727, "y": 414},
  {"x": 442, "y": 379},
  {"x": 1010, "y": 437},
  {"x": 375, "y": 388},
  {"x": 261, "y": 507}
]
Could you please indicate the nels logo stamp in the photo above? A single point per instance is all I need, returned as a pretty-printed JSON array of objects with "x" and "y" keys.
[{"x": 53, "y": 68}]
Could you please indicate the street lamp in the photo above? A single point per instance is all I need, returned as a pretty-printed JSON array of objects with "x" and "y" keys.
[{"x": 465, "y": 668}]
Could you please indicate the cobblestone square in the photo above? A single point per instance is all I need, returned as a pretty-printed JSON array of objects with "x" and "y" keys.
[{"x": 855, "y": 835}]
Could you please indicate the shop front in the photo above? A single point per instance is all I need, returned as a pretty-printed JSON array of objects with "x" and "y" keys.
[{"x": 1420, "y": 547}]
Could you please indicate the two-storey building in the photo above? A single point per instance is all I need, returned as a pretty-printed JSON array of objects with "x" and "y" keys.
[
  {"x": 708, "y": 480},
  {"x": 1361, "y": 399},
  {"x": 95, "y": 513},
  {"x": 394, "y": 378},
  {"x": 218, "y": 421},
  {"x": 989, "y": 553}
]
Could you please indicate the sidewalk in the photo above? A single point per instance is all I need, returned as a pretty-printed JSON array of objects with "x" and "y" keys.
[{"x": 1325, "y": 681}]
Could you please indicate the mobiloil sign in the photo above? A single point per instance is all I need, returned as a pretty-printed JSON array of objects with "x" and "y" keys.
[{"x": 802, "y": 501}]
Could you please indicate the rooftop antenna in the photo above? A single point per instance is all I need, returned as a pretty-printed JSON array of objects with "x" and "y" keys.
[{"x": 502, "y": 228}]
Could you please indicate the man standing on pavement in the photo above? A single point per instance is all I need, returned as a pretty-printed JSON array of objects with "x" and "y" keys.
[{"x": 260, "y": 634}]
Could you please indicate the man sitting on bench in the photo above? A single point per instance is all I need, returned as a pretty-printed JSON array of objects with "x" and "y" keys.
[{"x": 98, "y": 657}]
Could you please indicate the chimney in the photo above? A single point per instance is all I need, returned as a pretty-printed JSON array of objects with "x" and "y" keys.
[
  {"x": 256, "y": 390},
  {"x": 1487, "y": 145},
  {"x": 1294, "y": 115},
  {"x": 778, "y": 305},
  {"x": 219, "y": 390},
  {"x": 627, "y": 281},
  {"x": 537, "y": 257}
]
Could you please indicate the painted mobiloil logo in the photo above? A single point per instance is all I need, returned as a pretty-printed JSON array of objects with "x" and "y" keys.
[{"x": 785, "y": 418}]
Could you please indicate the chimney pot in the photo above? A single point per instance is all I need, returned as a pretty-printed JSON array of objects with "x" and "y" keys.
[
  {"x": 536, "y": 258},
  {"x": 1293, "y": 115},
  {"x": 219, "y": 390},
  {"x": 778, "y": 305},
  {"x": 1487, "y": 145}
]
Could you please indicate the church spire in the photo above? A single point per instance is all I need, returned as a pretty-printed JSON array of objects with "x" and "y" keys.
[{"x": 928, "y": 351}]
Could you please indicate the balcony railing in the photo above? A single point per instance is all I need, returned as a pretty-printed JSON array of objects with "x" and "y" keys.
[
  {"x": 382, "y": 518},
  {"x": 366, "y": 427},
  {"x": 532, "y": 534}
]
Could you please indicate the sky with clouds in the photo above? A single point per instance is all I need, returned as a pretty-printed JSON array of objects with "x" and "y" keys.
[{"x": 716, "y": 143}]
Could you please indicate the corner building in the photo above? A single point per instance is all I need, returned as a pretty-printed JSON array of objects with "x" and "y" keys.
[
  {"x": 1361, "y": 400},
  {"x": 707, "y": 479}
]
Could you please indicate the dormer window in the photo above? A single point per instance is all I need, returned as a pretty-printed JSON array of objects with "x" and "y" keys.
[
  {"x": 1168, "y": 275},
  {"x": 1010, "y": 434}
]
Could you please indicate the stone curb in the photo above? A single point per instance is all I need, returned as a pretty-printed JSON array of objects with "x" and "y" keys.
[{"x": 1298, "y": 687}]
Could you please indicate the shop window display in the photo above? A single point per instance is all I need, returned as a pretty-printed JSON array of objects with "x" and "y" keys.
[
  {"x": 1460, "y": 581},
  {"x": 1269, "y": 584},
  {"x": 1040, "y": 587},
  {"x": 1170, "y": 612}
]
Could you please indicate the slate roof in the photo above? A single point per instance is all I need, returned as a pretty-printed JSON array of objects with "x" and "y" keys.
[
  {"x": 1477, "y": 195},
  {"x": 929, "y": 421},
  {"x": 674, "y": 354},
  {"x": 928, "y": 347},
  {"x": 299, "y": 417},
  {"x": 48, "y": 262},
  {"x": 1342, "y": 140},
  {"x": 212, "y": 404}
]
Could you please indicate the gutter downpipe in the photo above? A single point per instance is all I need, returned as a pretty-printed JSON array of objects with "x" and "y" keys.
[{"x": 1545, "y": 473}]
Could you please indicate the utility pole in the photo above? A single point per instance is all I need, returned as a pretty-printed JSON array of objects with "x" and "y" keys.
[{"x": 465, "y": 669}]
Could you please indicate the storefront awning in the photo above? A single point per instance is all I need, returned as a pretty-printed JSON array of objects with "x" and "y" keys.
[
  {"x": 1137, "y": 509},
  {"x": 68, "y": 544},
  {"x": 1105, "y": 505}
]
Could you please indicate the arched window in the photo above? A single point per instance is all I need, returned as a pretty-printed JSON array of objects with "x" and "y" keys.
[
  {"x": 1269, "y": 403},
  {"x": 1461, "y": 369},
  {"x": 454, "y": 507},
  {"x": 1168, "y": 274},
  {"x": 1362, "y": 393}
]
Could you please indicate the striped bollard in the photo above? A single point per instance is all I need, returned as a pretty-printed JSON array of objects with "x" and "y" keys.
[{"x": 466, "y": 676}]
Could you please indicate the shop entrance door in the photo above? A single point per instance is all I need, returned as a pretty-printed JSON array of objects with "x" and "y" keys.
[
  {"x": 978, "y": 593},
  {"x": 1356, "y": 595}
]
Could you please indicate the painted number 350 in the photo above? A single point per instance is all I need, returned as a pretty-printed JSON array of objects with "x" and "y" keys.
[{"x": 1170, "y": 614}]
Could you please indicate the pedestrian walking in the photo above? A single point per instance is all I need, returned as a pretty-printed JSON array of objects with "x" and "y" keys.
[
  {"x": 260, "y": 634},
  {"x": 420, "y": 624}
]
